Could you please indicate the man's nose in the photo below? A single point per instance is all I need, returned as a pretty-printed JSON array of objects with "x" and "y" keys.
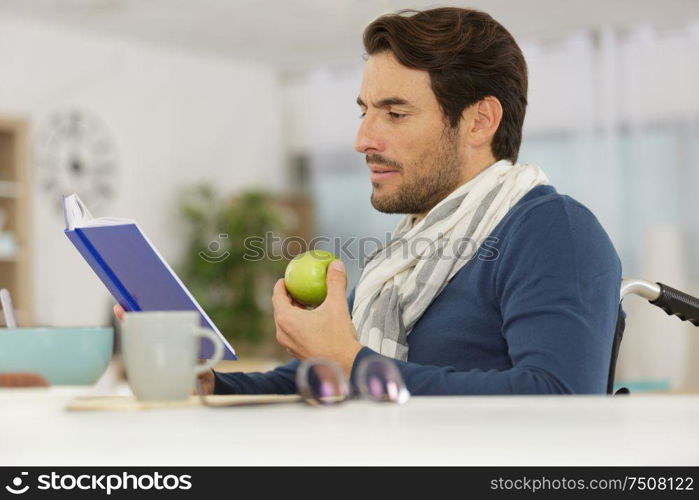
[{"x": 368, "y": 137}]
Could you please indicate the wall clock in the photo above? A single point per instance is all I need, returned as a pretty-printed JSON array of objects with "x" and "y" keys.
[{"x": 75, "y": 154}]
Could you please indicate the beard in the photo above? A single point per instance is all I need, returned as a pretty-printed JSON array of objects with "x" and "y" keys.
[{"x": 434, "y": 175}]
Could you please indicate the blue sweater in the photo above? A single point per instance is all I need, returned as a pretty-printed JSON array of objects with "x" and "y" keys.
[{"x": 533, "y": 314}]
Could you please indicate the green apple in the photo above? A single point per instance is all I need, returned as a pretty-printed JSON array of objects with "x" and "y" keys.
[{"x": 305, "y": 276}]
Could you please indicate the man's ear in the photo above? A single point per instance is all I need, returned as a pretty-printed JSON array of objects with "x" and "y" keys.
[{"x": 482, "y": 119}]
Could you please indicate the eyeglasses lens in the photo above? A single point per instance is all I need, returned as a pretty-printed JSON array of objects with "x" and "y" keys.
[
  {"x": 325, "y": 384},
  {"x": 381, "y": 381}
]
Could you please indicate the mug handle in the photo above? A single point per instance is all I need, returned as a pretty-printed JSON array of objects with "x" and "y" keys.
[{"x": 218, "y": 349}]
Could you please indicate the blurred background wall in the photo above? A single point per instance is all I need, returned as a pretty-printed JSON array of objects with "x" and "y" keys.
[
  {"x": 247, "y": 94},
  {"x": 174, "y": 118}
]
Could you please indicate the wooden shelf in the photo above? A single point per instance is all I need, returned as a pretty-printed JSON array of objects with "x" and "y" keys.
[
  {"x": 15, "y": 188},
  {"x": 9, "y": 189}
]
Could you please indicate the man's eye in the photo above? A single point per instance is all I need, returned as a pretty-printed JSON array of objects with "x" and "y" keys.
[
  {"x": 395, "y": 116},
  {"x": 362, "y": 114}
]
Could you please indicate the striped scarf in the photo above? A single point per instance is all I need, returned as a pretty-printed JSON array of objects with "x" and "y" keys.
[{"x": 400, "y": 280}]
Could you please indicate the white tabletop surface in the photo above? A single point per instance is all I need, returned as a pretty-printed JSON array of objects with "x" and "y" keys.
[{"x": 35, "y": 429}]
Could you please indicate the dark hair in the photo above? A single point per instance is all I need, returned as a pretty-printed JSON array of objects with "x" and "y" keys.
[{"x": 469, "y": 56}]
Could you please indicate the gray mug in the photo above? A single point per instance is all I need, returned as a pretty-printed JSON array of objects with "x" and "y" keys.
[{"x": 160, "y": 350}]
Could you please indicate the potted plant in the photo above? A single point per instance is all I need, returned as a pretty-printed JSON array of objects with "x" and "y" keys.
[{"x": 233, "y": 284}]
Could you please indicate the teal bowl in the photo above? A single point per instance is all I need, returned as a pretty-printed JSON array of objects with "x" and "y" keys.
[{"x": 63, "y": 356}]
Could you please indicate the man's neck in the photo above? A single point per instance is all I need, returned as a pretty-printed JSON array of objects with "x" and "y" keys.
[{"x": 469, "y": 172}]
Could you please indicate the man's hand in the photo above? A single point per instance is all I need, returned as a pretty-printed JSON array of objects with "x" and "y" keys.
[
  {"x": 206, "y": 379},
  {"x": 119, "y": 312},
  {"x": 326, "y": 331}
]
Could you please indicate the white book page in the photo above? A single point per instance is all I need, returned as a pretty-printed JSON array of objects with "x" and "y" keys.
[{"x": 76, "y": 214}]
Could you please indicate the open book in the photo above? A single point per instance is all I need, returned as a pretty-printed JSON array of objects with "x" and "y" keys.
[{"x": 131, "y": 268}]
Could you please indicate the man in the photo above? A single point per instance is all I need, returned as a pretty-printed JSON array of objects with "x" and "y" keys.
[{"x": 519, "y": 294}]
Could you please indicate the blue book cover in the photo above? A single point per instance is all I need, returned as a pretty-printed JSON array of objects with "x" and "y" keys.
[{"x": 131, "y": 268}]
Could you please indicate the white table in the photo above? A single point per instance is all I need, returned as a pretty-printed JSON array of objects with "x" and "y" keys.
[{"x": 637, "y": 430}]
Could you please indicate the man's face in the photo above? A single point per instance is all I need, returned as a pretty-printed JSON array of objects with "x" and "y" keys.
[{"x": 411, "y": 152}]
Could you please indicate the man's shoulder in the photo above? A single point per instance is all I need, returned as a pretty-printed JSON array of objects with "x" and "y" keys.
[
  {"x": 546, "y": 223},
  {"x": 543, "y": 206}
]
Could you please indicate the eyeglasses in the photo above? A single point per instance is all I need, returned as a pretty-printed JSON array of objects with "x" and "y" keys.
[{"x": 321, "y": 381}]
